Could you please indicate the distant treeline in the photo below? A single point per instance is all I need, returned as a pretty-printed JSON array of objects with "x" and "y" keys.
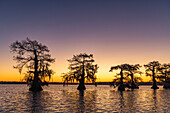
[{"x": 98, "y": 83}]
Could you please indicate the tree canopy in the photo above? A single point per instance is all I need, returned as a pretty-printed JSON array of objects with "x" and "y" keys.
[
  {"x": 35, "y": 57},
  {"x": 81, "y": 67},
  {"x": 126, "y": 70},
  {"x": 119, "y": 80},
  {"x": 152, "y": 69},
  {"x": 164, "y": 72}
]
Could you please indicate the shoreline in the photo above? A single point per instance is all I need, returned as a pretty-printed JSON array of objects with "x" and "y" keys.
[{"x": 61, "y": 83}]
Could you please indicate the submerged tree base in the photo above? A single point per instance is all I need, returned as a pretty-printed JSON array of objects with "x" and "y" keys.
[
  {"x": 81, "y": 87},
  {"x": 35, "y": 88},
  {"x": 154, "y": 87},
  {"x": 166, "y": 86},
  {"x": 131, "y": 86},
  {"x": 136, "y": 87},
  {"x": 121, "y": 88}
]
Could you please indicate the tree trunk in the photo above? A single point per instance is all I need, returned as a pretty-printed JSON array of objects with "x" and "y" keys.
[
  {"x": 36, "y": 85},
  {"x": 132, "y": 84},
  {"x": 154, "y": 84},
  {"x": 165, "y": 76},
  {"x": 81, "y": 84},
  {"x": 165, "y": 82},
  {"x": 81, "y": 81},
  {"x": 121, "y": 86}
]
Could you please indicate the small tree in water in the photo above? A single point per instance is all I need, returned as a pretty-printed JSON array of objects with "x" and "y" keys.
[
  {"x": 122, "y": 68},
  {"x": 133, "y": 69},
  {"x": 152, "y": 69},
  {"x": 164, "y": 75},
  {"x": 36, "y": 58},
  {"x": 81, "y": 68}
]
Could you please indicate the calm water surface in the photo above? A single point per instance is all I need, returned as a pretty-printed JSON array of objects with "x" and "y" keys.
[{"x": 56, "y": 98}]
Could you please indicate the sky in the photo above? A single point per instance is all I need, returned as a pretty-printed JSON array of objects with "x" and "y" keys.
[{"x": 114, "y": 31}]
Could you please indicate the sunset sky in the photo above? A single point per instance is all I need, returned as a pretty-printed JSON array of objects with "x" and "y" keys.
[{"x": 114, "y": 31}]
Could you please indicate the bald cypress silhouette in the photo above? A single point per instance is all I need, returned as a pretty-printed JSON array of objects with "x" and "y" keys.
[
  {"x": 131, "y": 71},
  {"x": 164, "y": 75},
  {"x": 152, "y": 69},
  {"x": 81, "y": 67},
  {"x": 36, "y": 58},
  {"x": 122, "y": 68}
]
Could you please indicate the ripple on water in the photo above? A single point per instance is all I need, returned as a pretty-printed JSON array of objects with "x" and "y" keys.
[{"x": 56, "y": 98}]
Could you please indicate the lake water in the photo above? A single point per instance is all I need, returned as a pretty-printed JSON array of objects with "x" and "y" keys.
[{"x": 103, "y": 98}]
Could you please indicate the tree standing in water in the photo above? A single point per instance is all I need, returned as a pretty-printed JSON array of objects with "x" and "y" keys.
[
  {"x": 36, "y": 58},
  {"x": 152, "y": 69},
  {"x": 122, "y": 68},
  {"x": 164, "y": 70},
  {"x": 133, "y": 69},
  {"x": 81, "y": 68}
]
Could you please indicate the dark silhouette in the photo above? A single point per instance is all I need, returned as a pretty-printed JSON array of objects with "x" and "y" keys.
[
  {"x": 81, "y": 68},
  {"x": 36, "y": 58},
  {"x": 131, "y": 70},
  {"x": 126, "y": 70},
  {"x": 164, "y": 72},
  {"x": 119, "y": 81},
  {"x": 152, "y": 69}
]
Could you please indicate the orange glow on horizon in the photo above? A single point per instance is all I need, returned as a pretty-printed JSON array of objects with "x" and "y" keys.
[{"x": 14, "y": 75}]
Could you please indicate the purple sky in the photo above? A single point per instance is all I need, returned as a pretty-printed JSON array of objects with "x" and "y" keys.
[{"x": 115, "y": 31}]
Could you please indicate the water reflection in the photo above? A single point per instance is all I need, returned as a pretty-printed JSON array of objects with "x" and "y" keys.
[
  {"x": 37, "y": 101},
  {"x": 121, "y": 98},
  {"x": 132, "y": 100},
  {"x": 127, "y": 101},
  {"x": 139, "y": 100},
  {"x": 81, "y": 101},
  {"x": 16, "y": 98},
  {"x": 154, "y": 108}
]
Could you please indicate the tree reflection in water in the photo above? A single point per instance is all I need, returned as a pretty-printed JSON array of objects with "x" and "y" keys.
[
  {"x": 132, "y": 100},
  {"x": 80, "y": 101},
  {"x": 129, "y": 101},
  {"x": 101, "y": 99},
  {"x": 122, "y": 102},
  {"x": 38, "y": 101},
  {"x": 154, "y": 108}
]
